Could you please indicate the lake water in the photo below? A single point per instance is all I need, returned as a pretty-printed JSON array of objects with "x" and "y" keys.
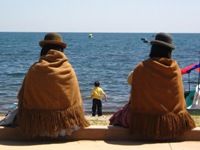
[{"x": 107, "y": 57}]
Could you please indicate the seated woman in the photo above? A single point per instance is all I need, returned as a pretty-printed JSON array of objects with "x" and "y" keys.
[
  {"x": 157, "y": 103},
  {"x": 50, "y": 102}
]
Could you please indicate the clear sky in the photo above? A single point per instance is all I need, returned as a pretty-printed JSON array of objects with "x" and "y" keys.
[{"x": 172, "y": 16}]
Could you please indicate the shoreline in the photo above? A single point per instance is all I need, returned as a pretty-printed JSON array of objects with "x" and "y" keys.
[{"x": 101, "y": 120}]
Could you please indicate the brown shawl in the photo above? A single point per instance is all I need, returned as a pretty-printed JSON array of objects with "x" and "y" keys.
[
  {"x": 50, "y": 99},
  {"x": 158, "y": 108}
]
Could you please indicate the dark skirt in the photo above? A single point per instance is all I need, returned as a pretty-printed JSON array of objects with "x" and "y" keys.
[{"x": 121, "y": 117}]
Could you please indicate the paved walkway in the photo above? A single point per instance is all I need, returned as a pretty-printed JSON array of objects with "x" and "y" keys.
[{"x": 98, "y": 145}]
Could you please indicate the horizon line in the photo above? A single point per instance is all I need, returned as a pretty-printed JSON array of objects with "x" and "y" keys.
[{"x": 93, "y": 32}]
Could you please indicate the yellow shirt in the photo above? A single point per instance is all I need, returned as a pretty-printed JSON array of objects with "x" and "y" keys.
[{"x": 97, "y": 92}]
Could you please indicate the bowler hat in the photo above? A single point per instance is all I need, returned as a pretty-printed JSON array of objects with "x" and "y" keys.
[
  {"x": 52, "y": 38},
  {"x": 163, "y": 39}
]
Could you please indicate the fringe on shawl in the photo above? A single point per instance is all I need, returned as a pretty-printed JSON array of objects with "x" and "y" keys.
[
  {"x": 161, "y": 127},
  {"x": 34, "y": 122}
]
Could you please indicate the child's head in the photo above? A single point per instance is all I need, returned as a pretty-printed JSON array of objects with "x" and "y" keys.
[{"x": 96, "y": 83}]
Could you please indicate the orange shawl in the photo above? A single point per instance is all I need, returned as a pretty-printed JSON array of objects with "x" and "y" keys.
[
  {"x": 158, "y": 108},
  {"x": 50, "y": 99}
]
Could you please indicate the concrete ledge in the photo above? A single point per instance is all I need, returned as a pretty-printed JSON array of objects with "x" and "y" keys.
[{"x": 96, "y": 133}]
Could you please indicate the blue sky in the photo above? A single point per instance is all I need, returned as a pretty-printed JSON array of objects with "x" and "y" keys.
[{"x": 174, "y": 16}]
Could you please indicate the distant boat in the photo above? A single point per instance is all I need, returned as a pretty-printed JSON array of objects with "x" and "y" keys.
[
  {"x": 90, "y": 35},
  {"x": 145, "y": 40}
]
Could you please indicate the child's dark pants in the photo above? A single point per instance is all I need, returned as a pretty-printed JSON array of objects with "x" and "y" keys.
[{"x": 97, "y": 104}]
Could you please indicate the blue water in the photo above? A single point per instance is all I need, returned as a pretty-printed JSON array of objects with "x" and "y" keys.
[{"x": 108, "y": 57}]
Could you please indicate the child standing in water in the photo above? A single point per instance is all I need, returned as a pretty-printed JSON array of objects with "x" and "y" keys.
[{"x": 97, "y": 92}]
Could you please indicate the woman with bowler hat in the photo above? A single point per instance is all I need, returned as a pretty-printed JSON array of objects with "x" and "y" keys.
[
  {"x": 50, "y": 101},
  {"x": 157, "y": 103}
]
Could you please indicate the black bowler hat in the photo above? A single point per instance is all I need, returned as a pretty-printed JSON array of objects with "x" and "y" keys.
[{"x": 163, "y": 39}]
